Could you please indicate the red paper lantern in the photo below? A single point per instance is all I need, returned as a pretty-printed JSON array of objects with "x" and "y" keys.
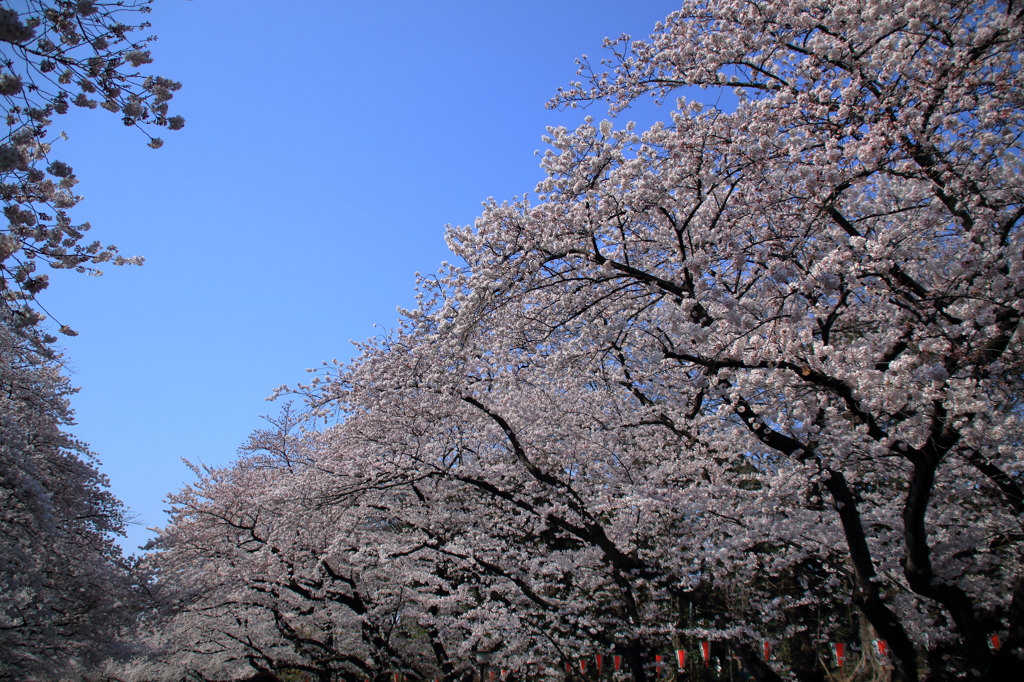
[
  {"x": 705, "y": 649},
  {"x": 681, "y": 657},
  {"x": 597, "y": 659},
  {"x": 882, "y": 649},
  {"x": 617, "y": 662},
  {"x": 840, "y": 649}
]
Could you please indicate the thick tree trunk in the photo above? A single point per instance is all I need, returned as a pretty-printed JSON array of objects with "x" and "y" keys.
[
  {"x": 804, "y": 658},
  {"x": 866, "y": 593},
  {"x": 755, "y": 665},
  {"x": 632, "y": 655}
]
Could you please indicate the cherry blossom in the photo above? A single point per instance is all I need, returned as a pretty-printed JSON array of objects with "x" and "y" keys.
[{"x": 56, "y": 54}]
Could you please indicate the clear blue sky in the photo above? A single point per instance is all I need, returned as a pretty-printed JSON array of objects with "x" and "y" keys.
[{"x": 327, "y": 144}]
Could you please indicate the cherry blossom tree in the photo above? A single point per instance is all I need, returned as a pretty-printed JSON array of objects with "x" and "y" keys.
[
  {"x": 66, "y": 593},
  {"x": 736, "y": 347},
  {"x": 55, "y": 55},
  {"x": 258, "y": 569},
  {"x": 583, "y": 529}
]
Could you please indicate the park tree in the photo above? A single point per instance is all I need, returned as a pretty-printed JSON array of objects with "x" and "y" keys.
[
  {"x": 259, "y": 569},
  {"x": 810, "y": 302},
  {"x": 581, "y": 520},
  {"x": 68, "y": 595}
]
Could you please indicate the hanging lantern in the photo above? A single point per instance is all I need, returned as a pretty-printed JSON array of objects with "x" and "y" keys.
[
  {"x": 492, "y": 676},
  {"x": 583, "y": 666},
  {"x": 840, "y": 651},
  {"x": 681, "y": 658},
  {"x": 705, "y": 650},
  {"x": 617, "y": 662},
  {"x": 504, "y": 674},
  {"x": 881, "y": 648},
  {"x": 568, "y": 668},
  {"x": 993, "y": 642},
  {"x": 597, "y": 659},
  {"x": 767, "y": 650},
  {"x": 657, "y": 666}
]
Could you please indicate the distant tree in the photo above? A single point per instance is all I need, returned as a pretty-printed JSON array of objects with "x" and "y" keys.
[
  {"x": 55, "y": 55},
  {"x": 259, "y": 569},
  {"x": 66, "y": 592}
]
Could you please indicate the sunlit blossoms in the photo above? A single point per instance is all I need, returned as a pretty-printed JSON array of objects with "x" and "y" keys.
[{"x": 57, "y": 54}]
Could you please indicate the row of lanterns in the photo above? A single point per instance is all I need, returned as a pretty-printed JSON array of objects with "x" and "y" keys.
[
  {"x": 838, "y": 650},
  {"x": 617, "y": 661}
]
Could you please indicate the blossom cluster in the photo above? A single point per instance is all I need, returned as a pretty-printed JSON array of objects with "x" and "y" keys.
[{"x": 55, "y": 55}]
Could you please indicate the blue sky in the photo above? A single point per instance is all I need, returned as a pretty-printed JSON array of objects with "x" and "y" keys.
[{"x": 326, "y": 146}]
